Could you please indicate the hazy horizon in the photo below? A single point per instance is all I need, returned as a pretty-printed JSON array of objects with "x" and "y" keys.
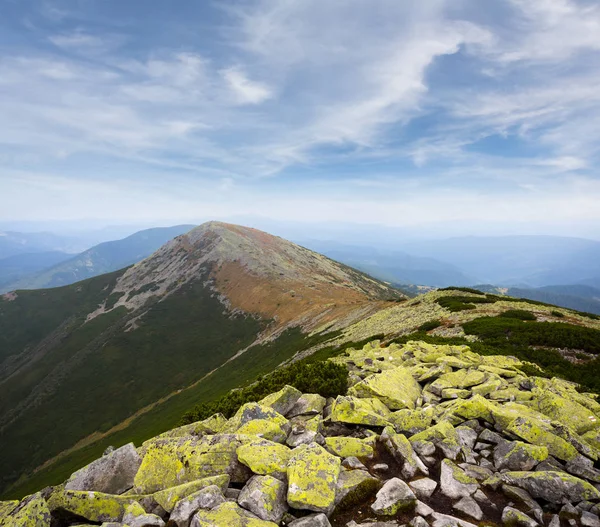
[{"x": 436, "y": 119}]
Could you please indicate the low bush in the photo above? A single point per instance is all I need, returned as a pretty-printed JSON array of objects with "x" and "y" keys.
[
  {"x": 463, "y": 289},
  {"x": 557, "y": 314},
  {"x": 462, "y": 303},
  {"x": 519, "y": 314},
  {"x": 428, "y": 326}
]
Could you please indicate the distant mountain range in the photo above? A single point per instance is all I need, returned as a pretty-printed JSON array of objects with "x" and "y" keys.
[{"x": 68, "y": 269}]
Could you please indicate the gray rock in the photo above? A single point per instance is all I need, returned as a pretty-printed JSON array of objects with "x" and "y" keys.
[
  {"x": 514, "y": 456},
  {"x": 424, "y": 448},
  {"x": 232, "y": 494},
  {"x": 206, "y": 498},
  {"x": 467, "y": 437},
  {"x": 265, "y": 496},
  {"x": 589, "y": 520},
  {"x": 113, "y": 473},
  {"x": 381, "y": 467},
  {"x": 418, "y": 521},
  {"x": 454, "y": 483},
  {"x": 307, "y": 404},
  {"x": 512, "y": 517},
  {"x": 353, "y": 463},
  {"x": 491, "y": 437},
  {"x": 481, "y": 446},
  {"x": 555, "y": 521},
  {"x": 394, "y": 496},
  {"x": 132, "y": 519},
  {"x": 584, "y": 468},
  {"x": 445, "y": 520},
  {"x": 422, "y": 509},
  {"x": 522, "y": 496},
  {"x": 480, "y": 497},
  {"x": 314, "y": 520},
  {"x": 469, "y": 507},
  {"x": 569, "y": 512},
  {"x": 423, "y": 488}
]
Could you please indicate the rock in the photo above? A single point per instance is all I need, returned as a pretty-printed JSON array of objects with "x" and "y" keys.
[
  {"x": 207, "y": 498},
  {"x": 307, "y": 404},
  {"x": 380, "y": 467},
  {"x": 454, "y": 483},
  {"x": 369, "y": 412},
  {"x": 264, "y": 428},
  {"x": 445, "y": 520},
  {"x": 418, "y": 521},
  {"x": 112, "y": 474},
  {"x": 522, "y": 496},
  {"x": 232, "y": 494},
  {"x": 423, "y": 487},
  {"x": 422, "y": 509},
  {"x": 411, "y": 421},
  {"x": 517, "y": 455},
  {"x": 32, "y": 511},
  {"x": 396, "y": 388},
  {"x": 265, "y": 457},
  {"x": 467, "y": 437},
  {"x": 228, "y": 514},
  {"x": 469, "y": 507},
  {"x": 555, "y": 521},
  {"x": 265, "y": 496},
  {"x": 442, "y": 435},
  {"x": 136, "y": 516},
  {"x": 173, "y": 461},
  {"x": 93, "y": 506},
  {"x": 354, "y": 487},
  {"x": 399, "y": 446},
  {"x": 566, "y": 411},
  {"x": 589, "y": 520},
  {"x": 168, "y": 498},
  {"x": 536, "y": 433},
  {"x": 554, "y": 487},
  {"x": 312, "y": 473},
  {"x": 314, "y": 520},
  {"x": 350, "y": 446},
  {"x": 214, "y": 424},
  {"x": 457, "y": 380},
  {"x": 283, "y": 400},
  {"x": 512, "y": 517},
  {"x": 304, "y": 431},
  {"x": 353, "y": 463},
  {"x": 251, "y": 411},
  {"x": 393, "y": 497},
  {"x": 584, "y": 468}
]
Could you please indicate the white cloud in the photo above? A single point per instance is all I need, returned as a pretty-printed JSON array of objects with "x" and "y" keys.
[{"x": 245, "y": 91}]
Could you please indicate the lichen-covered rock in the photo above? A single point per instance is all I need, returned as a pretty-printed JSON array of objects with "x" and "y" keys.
[
  {"x": 552, "y": 486},
  {"x": 312, "y": 473},
  {"x": 251, "y": 411},
  {"x": 411, "y": 421},
  {"x": 517, "y": 455},
  {"x": 400, "y": 447},
  {"x": 6, "y": 507},
  {"x": 305, "y": 430},
  {"x": 113, "y": 473},
  {"x": 215, "y": 424},
  {"x": 354, "y": 410},
  {"x": 265, "y": 457},
  {"x": 454, "y": 482},
  {"x": 206, "y": 498},
  {"x": 228, "y": 514},
  {"x": 136, "y": 516},
  {"x": 169, "y": 497},
  {"x": 396, "y": 388},
  {"x": 537, "y": 433},
  {"x": 283, "y": 400},
  {"x": 350, "y": 446},
  {"x": 312, "y": 520},
  {"x": 307, "y": 404},
  {"x": 32, "y": 511},
  {"x": 457, "y": 379},
  {"x": 93, "y": 506},
  {"x": 354, "y": 487},
  {"x": 171, "y": 462},
  {"x": 512, "y": 517},
  {"x": 470, "y": 507},
  {"x": 265, "y": 496},
  {"x": 442, "y": 435},
  {"x": 567, "y": 411},
  {"x": 265, "y": 428},
  {"x": 394, "y": 496}
]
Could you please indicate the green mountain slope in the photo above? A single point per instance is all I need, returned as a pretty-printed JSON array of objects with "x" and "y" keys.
[
  {"x": 102, "y": 258},
  {"x": 86, "y": 361},
  {"x": 15, "y": 267}
]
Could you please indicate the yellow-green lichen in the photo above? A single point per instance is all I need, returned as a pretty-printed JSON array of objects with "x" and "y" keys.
[
  {"x": 231, "y": 515},
  {"x": 168, "y": 498},
  {"x": 265, "y": 457},
  {"x": 350, "y": 446}
]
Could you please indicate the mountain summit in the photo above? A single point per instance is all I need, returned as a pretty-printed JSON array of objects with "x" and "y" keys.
[{"x": 253, "y": 272}]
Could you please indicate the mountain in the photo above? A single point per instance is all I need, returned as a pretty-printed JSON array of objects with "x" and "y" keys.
[
  {"x": 210, "y": 310},
  {"x": 579, "y": 297},
  {"x": 15, "y": 267},
  {"x": 103, "y": 258},
  {"x": 520, "y": 261},
  {"x": 393, "y": 265},
  {"x": 13, "y": 243},
  {"x": 489, "y": 417}
]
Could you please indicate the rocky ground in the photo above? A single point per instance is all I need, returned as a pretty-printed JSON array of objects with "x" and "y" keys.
[{"x": 427, "y": 435}]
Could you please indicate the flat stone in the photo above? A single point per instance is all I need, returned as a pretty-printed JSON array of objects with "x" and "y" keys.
[
  {"x": 283, "y": 400},
  {"x": 314, "y": 520},
  {"x": 32, "y": 511},
  {"x": 168, "y": 498},
  {"x": 307, "y": 404},
  {"x": 454, "y": 482},
  {"x": 423, "y": 488},
  {"x": 228, "y": 514},
  {"x": 517, "y": 455},
  {"x": 396, "y": 388},
  {"x": 469, "y": 507}
]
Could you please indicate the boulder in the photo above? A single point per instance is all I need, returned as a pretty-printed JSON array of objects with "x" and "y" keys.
[
  {"x": 228, "y": 514},
  {"x": 313, "y": 520},
  {"x": 516, "y": 455},
  {"x": 283, "y": 400},
  {"x": 350, "y": 446},
  {"x": 253, "y": 411},
  {"x": 265, "y": 496},
  {"x": 354, "y": 487},
  {"x": 113, "y": 473},
  {"x": 304, "y": 430},
  {"x": 313, "y": 474},
  {"x": 423, "y": 487},
  {"x": 32, "y": 511},
  {"x": 393, "y": 497},
  {"x": 454, "y": 482},
  {"x": 537, "y": 433},
  {"x": 264, "y": 428},
  {"x": 554, "y": 487},
  {"x": 411, "y": 421},
  {"x": 396, "y": 388},
  {"x": 265, "y": 457},
  {"x": 368, "y": 412},
  {"x": 136, "y": 516},
  {"x": 168, "y": 498},
  {"x": 399, "y": 446},
  {"x": 207, "y": 498},
  {"x": 93, "y": 506},
  {"x": 307, "y": 404},
  {"x": 470, "y": 507},
  {"x": 512, "y": 517}
]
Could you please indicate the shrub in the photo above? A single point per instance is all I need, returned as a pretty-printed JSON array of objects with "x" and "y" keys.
[
  {"x": 557, "y": 314},
  {"x": 462, "y": 303},
  {"x": 519, "y": 314},
  {"x": 463, "y": 289},
  {"x": 428, "y": 326}
]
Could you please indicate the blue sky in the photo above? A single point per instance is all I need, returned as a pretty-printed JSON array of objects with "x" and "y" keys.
[{"x": 440, "y": 112}]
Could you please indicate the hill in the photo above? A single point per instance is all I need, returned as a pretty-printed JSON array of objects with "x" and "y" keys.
[
  {"x": 102, "y": 258},
  {"x": 210, "y": 310},
  {"x": 13, "y": 268}
]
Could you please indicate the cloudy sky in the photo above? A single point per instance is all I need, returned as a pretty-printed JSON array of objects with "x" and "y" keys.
[{"x": 400, "y": 113}]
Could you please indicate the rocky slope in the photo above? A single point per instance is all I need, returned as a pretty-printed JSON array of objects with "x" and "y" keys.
[
  {"x": 426, "y": 435},
  {"x": 210, "y": 310}
]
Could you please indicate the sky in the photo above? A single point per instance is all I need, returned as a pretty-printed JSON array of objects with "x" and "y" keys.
[{"x": 456, "y": 116}]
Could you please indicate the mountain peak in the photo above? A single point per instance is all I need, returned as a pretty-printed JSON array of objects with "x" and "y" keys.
[{"x": 256, "y": 273}]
